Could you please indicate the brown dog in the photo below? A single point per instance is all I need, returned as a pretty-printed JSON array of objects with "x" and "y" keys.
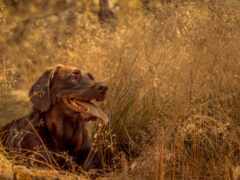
[{"x": 62, "y": 100}]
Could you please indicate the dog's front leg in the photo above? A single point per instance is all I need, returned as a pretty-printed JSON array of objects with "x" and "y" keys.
[{"x": 55, "y": 127}]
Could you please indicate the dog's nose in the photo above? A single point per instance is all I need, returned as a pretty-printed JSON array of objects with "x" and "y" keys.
[{"x": 102, "y": 88}]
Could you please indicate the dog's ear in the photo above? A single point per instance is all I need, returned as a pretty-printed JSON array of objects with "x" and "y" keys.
[{"x": 40, "y": 94}]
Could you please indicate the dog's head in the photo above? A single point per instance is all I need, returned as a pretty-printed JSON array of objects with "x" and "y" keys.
[{"x": 68, "y": 86}]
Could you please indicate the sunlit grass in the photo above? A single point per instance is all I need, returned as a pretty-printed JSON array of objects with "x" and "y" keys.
[{"x": 173, "y": 73}]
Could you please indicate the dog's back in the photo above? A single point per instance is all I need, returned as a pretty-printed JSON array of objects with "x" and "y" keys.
[{"x": 24, "y": 133}]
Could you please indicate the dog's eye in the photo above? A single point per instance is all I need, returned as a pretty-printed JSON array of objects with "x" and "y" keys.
[
  {"x": 76, "y": 74},
  {"x": 90, "y": 76}
]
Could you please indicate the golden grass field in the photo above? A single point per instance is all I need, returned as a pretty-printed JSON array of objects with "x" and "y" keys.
[{"x": 173, "y": 68}]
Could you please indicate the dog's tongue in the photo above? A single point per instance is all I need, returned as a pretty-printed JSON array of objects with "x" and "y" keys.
[
  {"x": 87, "y": 108},
  {"x": 95, "y": 111}
]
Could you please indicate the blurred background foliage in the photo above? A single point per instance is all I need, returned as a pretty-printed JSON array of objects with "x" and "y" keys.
[{"x": 172, "y": 67}]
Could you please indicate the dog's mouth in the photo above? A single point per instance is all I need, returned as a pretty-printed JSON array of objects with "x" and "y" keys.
[{"x": 89, "y": 110}]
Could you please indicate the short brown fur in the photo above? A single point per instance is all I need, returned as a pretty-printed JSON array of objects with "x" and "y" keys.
[{"x": 51, "y": 125}]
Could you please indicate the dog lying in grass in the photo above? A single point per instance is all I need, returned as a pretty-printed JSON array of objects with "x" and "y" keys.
[{"x": 63, "y": 101}]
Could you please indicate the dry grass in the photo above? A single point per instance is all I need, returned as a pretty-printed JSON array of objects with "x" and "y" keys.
[{"x": 173, "y": 72}]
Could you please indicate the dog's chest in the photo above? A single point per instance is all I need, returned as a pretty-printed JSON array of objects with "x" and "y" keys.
[
  {"x": 70, "y": 127},
  {"x": 73, "y": 132}
]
